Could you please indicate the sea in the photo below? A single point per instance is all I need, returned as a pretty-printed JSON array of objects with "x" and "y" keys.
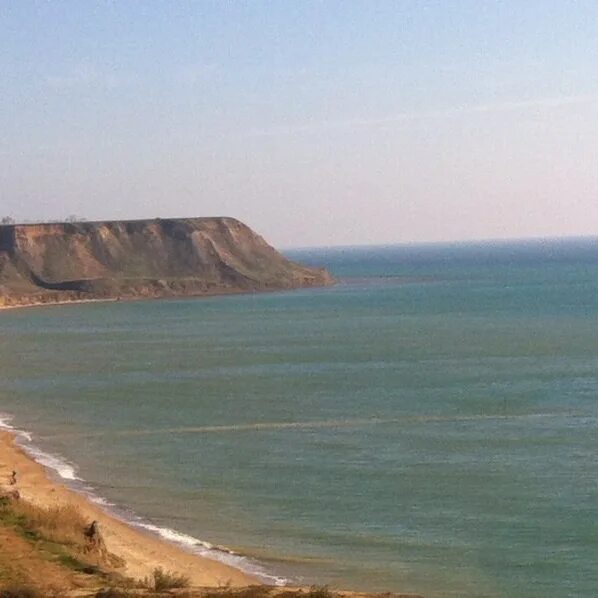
[{"x": 429, "y": 424}]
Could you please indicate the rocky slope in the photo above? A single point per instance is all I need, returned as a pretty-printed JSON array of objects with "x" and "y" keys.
[{"x": 48, "y": 263}]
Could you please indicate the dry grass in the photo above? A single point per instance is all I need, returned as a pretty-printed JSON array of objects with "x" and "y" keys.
[
  {"x": 63, "y": 524},
  {"x": 250, "y": 592},
  {"x": 43, "y": 551},
  {"x": 166, "y": 580},
  {"x": 19, "y": 592},
  {"x": 317, "y": 592},
  {"x": 115, "y": 593}
]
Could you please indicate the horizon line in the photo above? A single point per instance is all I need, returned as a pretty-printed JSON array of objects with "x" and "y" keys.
[{"x": 477, "y": 241}]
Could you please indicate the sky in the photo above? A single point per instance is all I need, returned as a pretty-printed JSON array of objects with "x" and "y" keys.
[{"x": 317, "y": 123}]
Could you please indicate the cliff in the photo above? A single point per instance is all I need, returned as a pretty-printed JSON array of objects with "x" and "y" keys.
[{"x": 49, "y": 263}]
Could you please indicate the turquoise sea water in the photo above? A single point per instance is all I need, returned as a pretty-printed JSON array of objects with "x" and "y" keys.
[{"x": 429, "y": 424}]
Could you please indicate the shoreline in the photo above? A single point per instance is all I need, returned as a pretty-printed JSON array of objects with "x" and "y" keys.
[
  {"x": 53, "y": 303},
  {"x": 167, "y": 297},
  {"x": 141, "y": 547}
]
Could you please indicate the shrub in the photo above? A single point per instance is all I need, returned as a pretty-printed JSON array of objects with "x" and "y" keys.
[
  {"x": 113, "y": 593},
  {"x": 166, "y": 580},
  {"x": 18, "y": 592},
  {"x": 250, "y": 592}
]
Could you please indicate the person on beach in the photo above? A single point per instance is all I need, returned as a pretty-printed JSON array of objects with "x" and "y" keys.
[{"x": 13, "y": 478}]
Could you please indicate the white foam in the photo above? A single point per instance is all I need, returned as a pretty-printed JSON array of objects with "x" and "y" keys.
[
  {"x": 207, "y": 550},
  {"x": 67, "y": 471},
  {"x": 5, "y": 420},
  {"x": 98, "y": 500},
  {"x": 64, "y": 469},
  {"x": 174, "y": 536},
  {"x": 5, "y": 424}
]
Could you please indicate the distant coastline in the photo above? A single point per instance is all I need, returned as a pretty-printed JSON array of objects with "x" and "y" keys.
[
  {"x": 66, "y": 302},
  {"x": 54, "y": 303},
  {"x": 57, "y": 263}
]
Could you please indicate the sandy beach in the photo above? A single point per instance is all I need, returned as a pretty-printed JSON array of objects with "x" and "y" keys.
[
  {"x": 141, "y": 552},
  {"x": 8, "y": 306}
]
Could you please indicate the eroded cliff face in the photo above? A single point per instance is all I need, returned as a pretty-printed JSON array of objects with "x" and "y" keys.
[{"x": 45, "y": 263}]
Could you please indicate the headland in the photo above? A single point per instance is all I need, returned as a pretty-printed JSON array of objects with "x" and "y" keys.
[{"x": 53, "y": 263}]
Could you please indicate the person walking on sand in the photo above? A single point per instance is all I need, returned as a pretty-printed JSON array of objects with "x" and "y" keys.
[{"x": 13, "y": 478}]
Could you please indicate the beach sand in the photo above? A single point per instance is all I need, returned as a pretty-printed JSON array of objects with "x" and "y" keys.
[{"x": 142, "y": 552}]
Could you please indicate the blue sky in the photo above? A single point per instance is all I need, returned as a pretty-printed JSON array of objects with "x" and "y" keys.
[{"x": 317, "y": 123}]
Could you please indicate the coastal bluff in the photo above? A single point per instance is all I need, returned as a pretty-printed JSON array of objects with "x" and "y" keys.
[{"x": 134, "y": 259}]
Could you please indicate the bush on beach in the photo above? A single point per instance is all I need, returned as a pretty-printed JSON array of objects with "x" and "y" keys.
[
  {"x": 19, "y": 592},
  {"x": 166, "y": 580}
]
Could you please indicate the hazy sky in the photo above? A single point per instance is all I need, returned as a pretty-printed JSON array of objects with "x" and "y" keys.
[{"x": 317, "y": 123}]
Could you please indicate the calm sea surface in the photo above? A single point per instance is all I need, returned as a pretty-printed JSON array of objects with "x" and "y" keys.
[{"x": 429, "y": 424}]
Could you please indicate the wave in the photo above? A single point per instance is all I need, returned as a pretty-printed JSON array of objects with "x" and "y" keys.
[
  {"x": 24, "y": 439},
  {"x": 68, "y": 472},
  {"x": 218, "y": 553}
]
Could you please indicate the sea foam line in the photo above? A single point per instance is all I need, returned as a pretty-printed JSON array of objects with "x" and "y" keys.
[
  {"x": 67, "y": 472},
  {"x": 24, "y": 439},
  {"x": 316, "y": 424}
]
